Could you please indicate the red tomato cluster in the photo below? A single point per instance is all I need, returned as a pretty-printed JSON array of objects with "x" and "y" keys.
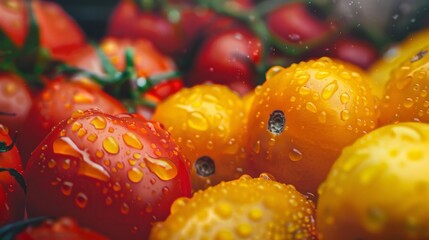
[{"x": 232, "y": 119}]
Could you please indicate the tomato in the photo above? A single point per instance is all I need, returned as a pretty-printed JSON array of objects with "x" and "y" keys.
[
  {"x": 247, "y": 208},
  {"x": 58, "y": 32},
  {"x": 64, "y": 228},
  {"x": 381, "y": 70},
  {"x": 56, "y": 102},
  {"x": 114, "y": 174},
  {"x": 294, "y": 23},
  {"x": 16, "y": 99},
  {"x": 228, "y": 58},
  {"x": 303, "y": 115},
  {"x": 11, "y": 194},
  {"x": 210, "y": 131},
  {"x": 377, "y": 189},
  {"x": 405, "y": 97}
]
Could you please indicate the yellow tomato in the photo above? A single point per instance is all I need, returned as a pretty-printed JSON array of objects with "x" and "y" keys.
[
  {"x": 379, "y": 187},
  {"x": 406, "y": 97},
  {"x": 247, "y": 208},
  {"x": 302, "y": 117},
  {"x": 381, "y": 70},
  {"x": 208, "y": 123}
]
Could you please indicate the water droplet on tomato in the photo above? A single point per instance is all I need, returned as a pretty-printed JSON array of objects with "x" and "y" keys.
[
  {"x": 116, "y": 187},
  {"x": 92, "y": 137},
  {"x": 81, "y": 132},
  {"x": 304, "y": 91},
  {"x": 67, "y": 188},
  {"x": 197, "y": 121},
  {"x": 345, "y": 115},
  {"x": 163, "y": 168},
  {"x": 76, "y": 126},
  {"x": 329, "y": 90},
  {"x": 257, "y": 147},
  {"x": 132, "y": 140},
  {"x": 311, "y": 107},
  {"x": 408, "y": 102},
  {"x": 65, "y": 146},
  {"x": 125, "y": 208},
  {"x": 345, "y": 98},
  {"x": 83, "y": 97},
  {"x": 322, "y": 75},
  {"x": 99, "y": 123},
  {"x": 108, "y": 201},
  {"x": 81, "y": 200},
  {"x": 223, "y": 210},
  {"x": 272, "y": 72},
  {"x": 322, "y": 117},
  {"x": 52, "y": 163},
  {"x": 110, "y": 145},
  {"x": 295, "y": 155},
  {"x": 135, "y": 175}
]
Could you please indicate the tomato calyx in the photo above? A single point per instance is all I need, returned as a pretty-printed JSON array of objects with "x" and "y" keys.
[
  {"x": 17, "y": 176},
  {"x": 9, "y": 231},
  {"x": 5, "y": 148}
]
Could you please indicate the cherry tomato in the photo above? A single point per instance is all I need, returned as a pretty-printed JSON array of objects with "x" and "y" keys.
[
  {"x": 11, "y": 194},
  {"x": 377, "y": 189},
  {"x": 64, "y": 228},
  {"x": 210, "y": 131},
  {"x": 114, "y": 174},
  {"x": 58, "y": 100},
  {"x": 228, "y": 58},
  {"x": 247, "y": 208},
  {"x": 58, "y": 32},
  {"x": 302, "y": 117},
  {"x": 381, "y": 70},
  {"x": 406, "y": 95},
  {"x": 15, "y": 99}
]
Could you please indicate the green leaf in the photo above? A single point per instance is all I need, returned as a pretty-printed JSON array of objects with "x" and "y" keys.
[
  {"x": 32, "y": 41},
  {"x": 105, "y": 62},
  {"x": 8, "y": 232},
  {"x": 5, "y": 148},
  {"x": 18, "y": 177}
]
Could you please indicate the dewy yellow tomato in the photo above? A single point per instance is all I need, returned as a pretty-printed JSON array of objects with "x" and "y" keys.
[
  {"x": 247, "y": 208},
  {"x": 381, "y": 70},
  {"x": 208, "y": 122},
  {"x": 406, "y": 96},
  {"x": 302, "y": 117},
  {"x": 379, "y": 187}
]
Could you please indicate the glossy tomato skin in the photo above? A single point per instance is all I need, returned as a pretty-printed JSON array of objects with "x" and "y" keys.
[
  {"x": 12, "y": 202},
  {"x": 406, "y": 93},
  {"x": 58, "y": 31},
  {"x": 228, "y": 58},
  {"x": 211, "y": 131},
  {"x": 303, "y": 115},
  {"x": 114, "y": 174},
  {"x": 64, "y": 228},
  {"x": 375, "y": 188},
  {"x": 16, "y": 98},
  {"x": 246, "y": 208},
  {"x": 56, "y": 102}
]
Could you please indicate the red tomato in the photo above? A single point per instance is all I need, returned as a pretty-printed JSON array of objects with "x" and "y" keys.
[
  {"x": 56, "y": 102},
  {"x": 15, "y": 99},
  {"x": 228, "y": 58},
  {"x": 114, "y": 174},
  {"x": 11, "y": 194},
  {"x": 58, "y": 32},
  {"x": 64, "y": 228}
]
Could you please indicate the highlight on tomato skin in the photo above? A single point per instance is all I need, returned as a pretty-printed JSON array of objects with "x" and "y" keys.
[
  {"x": 377, "y": 189},
  {"x": 302, "y": 117},
  {"x": 246, "y": 208},
  {"x": 113, "y": 174}
]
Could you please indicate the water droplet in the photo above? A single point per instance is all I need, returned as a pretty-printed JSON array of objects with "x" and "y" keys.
[
  {"x": 329, "y": 90},
  {"x": 132, "y": 140},
  {"x": 99, "y": 154},
  {"x": 322, "y": 75},
  {"x": 273, "y": 71},
  {"x": 110, "y": 145},
  {"x": 205, "y": 166},
  {"x": 304, "y": 91},
  {"x": 81, "y": 200},
  {"x": 255, "y": 214},
  {"x": 345, "y": 98},
  {"x": 66, "y": 164},
  {"x": 67, "y": 188},
  {"x": 257, "y": 147},
  {"x": 108, "y": 201},
  {"x": 302, "y": 79},
  {"x": 83, "y": 97},
  {"x": 311, "y": 107},
  {"x": 116, "y": 187},
  {"x": 81, "y": 132},
  {"x": 76, "y": 126},
  {"x": 65, "y": 146},
  {"x": 92, "y": 137},
  {"x": 322, "y": 117},
  {"x": 345, "y": 115},
  {"x": 295, "y": 155},
  {"x": 223, "y": 210},
  {"x": 77, "y": 114},
  {"x": 135, "y": 175},
  {"x": 125, "y": 208},
  {"x": 163, "y": 168},
  {"x": 99, "y": 123},
  {"x": 197, "y": 121},
  {"x": 408, "y": 102},
  {"x": 52, "y": 163}
]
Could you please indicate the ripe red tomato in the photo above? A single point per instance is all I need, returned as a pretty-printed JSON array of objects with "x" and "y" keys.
[
  {"x": 228, "y": 58},
  {"x": 58, "y": 32},
  {"x": 11, "y": 194},
  {"x": 64, "y": 228},
  {"x": 56, "y": 102},
  {"x": 15, "y": 99},
  {"x": 114, "y": 174}
]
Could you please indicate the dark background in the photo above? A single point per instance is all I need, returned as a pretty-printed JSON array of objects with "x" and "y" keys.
[{"x": 91, "y": 15}]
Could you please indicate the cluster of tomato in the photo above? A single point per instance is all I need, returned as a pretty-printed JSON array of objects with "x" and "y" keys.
[{"x": 290, "y": 125}]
